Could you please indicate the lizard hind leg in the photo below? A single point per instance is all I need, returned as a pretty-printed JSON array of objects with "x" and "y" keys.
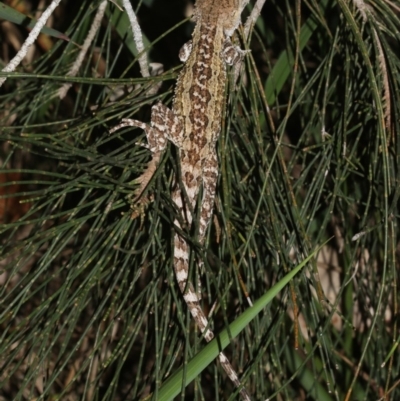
[
  {"x": 181, "y": 263},
  {"x": 210, "y": 177}
]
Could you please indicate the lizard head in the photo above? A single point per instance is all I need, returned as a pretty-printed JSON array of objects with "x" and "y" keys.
[{"x": 222, "y": 12}]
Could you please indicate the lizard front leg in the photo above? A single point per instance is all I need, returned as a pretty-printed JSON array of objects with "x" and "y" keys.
[
  {"x": 231, "y": 53},
  {"x": 164, "y": 125}
]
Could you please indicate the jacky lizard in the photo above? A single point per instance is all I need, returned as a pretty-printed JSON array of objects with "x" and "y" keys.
[{"x": 193, "y": 125}]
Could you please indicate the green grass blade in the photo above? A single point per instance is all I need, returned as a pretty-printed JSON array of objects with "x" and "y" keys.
[{"x": 173, "y": 385}]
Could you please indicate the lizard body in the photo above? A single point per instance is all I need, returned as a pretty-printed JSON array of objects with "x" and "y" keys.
[{"x": 193, "y": 125}]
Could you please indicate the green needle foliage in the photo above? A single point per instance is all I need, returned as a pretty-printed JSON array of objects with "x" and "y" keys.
[{"x": 309, "y": 150}]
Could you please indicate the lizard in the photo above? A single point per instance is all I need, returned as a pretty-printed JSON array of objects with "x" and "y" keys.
[{"x": 193, "y": 125}]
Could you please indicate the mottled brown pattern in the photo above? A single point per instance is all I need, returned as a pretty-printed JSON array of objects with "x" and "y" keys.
[
  {"x": 199, "y": 101},
  {"x": 193, "y": 125}
]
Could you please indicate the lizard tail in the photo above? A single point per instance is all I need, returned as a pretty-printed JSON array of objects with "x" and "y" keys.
[{"x": 181, "y": 266}]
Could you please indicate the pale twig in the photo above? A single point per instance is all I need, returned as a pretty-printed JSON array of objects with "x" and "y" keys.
[
  {"x": 385, "y": 80},
  {"x": 251, "y": 20},
  {"x": 13, "y": 64},
  {"x": 243, "y": 5},
  {"x": 391, "y": 4},
  {"x": 88, "y": 41},
  {"x": 142, "y": 56},
  {"x": 137, "y": 37},
  {"x": 365, "y": 12},
  {"x": 362, "y": 8}
]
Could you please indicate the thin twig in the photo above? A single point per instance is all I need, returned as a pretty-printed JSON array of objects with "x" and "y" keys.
[
  {"x": 362, "y": 7},
  {"x": 88, "y": 41},
  {"x": 138, "y": 38},
  {"x": 251, "y": 20},
  {"x": 13, "y": 64},
  {"x": 243, "y": 5},
  {"x": 385, "y": 80}
]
